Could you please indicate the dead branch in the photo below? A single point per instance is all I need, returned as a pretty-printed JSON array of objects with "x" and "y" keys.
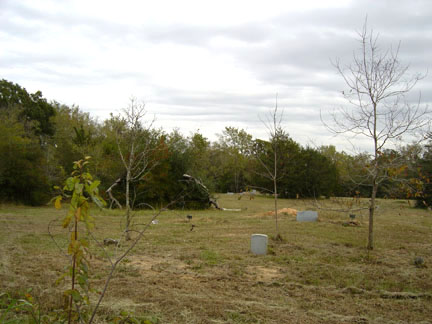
[{"x": 109, "y": 192}]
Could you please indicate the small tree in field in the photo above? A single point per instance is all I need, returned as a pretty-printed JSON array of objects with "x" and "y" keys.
[
  {"x": 378, "y": 85},
  {"x": 269, "y": 162},
  {"x": 81, "y": 189}
]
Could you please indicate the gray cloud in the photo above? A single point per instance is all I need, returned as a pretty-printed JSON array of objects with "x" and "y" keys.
[{"x": 289, "y": 54}]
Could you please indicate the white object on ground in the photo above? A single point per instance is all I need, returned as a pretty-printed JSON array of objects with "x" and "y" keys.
[
  {"x": 259, "y": 244},
  {"x": 307, "y": 216}
]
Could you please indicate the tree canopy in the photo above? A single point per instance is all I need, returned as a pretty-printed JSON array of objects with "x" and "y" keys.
[{"x": 40, "y": 140}]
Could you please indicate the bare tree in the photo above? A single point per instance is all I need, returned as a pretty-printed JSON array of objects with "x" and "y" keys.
[
  {"x": 134, "y": 144},
  {"x": 275, "y": 131},
  {"x": 378, "y": 85}
]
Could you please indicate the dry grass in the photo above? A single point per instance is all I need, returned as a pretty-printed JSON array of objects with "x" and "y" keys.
[{"x": 320, "y": 273}]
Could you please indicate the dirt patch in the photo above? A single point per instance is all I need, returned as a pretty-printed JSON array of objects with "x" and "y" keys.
[
  {"x": 281, "y": 212},
  {"x": 263, "y": 274},
  {"x": 147, "y": 264}
]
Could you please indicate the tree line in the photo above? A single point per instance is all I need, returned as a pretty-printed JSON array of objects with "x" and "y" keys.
[{"x": 40, "y": 140}]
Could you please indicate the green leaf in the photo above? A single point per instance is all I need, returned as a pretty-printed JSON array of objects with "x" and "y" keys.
[
  {"x": 79, "y": 188},
  {"x": 76, "y": 296},
  {"x": 70, "y": 183},
  {"x": 82, "y": 281},
  {"x": 87, "y": 176},
  {"x": 75, "y": 200},
  {"x": 94, "y": 185}
]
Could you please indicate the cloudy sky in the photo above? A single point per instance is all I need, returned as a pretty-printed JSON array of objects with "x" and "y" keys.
[{"x": 203, "y": 65}]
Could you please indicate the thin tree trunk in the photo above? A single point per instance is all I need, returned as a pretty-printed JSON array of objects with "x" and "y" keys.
[
  {"x": 73, "y": 271},
  {"x": 370, "y": 245},
  {"x": 127, "y": 206},
  {"x": 372, "y": 206},
  {"x": 275, "y": 192},
  {"x": 276, "y": 207}
]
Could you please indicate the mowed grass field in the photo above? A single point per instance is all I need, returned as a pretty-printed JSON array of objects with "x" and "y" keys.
[{"x": 320, "y": 273}]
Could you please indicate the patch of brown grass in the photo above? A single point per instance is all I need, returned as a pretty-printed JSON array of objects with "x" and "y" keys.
[{"x": 320, "y": 273}]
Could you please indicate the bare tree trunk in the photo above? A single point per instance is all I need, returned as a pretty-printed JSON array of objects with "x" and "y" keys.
[
  {"x": 370, "y": 244},
  {"x": 372, "y": 206},
  {"x": 128, "y": 214},
  {"x": 275, "y": 193},
  {"x": 73, "y": 271}
]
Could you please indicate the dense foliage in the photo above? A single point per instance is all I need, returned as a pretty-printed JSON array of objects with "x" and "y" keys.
[{"x": 40, "y": 140}]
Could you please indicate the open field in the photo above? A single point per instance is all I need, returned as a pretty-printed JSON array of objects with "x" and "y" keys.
[{"x": 321, "y": 273}]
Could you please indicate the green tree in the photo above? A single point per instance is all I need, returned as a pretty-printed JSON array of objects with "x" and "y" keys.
[
  {"x": 233, "y": 152},
  {"x": 318, "y": 175},
  {"x": 22, "y": 176},
  {"x": 34, "y": 110},
  {"x": 199, "y": 159},
  {"x": 77, "y": 135},
  {"x": 25, "y": 128}
]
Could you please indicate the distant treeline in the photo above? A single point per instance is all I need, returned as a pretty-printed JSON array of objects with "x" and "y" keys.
[{"x": 39, "y": 140}]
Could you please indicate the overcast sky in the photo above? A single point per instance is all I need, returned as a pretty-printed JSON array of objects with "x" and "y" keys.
[{"x": 203, "y": 65}]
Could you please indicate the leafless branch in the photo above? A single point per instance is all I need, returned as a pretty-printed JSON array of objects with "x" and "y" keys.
[
  {"x": 125, "y": 253},
  {"x": 377, "y": 87}
]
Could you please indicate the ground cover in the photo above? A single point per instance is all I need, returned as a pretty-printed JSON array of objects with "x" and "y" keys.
[{"x": 320, "y": 273}]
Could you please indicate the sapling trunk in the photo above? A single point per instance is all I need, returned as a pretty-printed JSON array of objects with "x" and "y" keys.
[{"x": 73, "y": 267}]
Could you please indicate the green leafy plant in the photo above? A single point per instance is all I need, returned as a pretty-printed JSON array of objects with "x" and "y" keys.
[
  {"x": 20, "y": 308},
  {"x": 81, "y": 189}
]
